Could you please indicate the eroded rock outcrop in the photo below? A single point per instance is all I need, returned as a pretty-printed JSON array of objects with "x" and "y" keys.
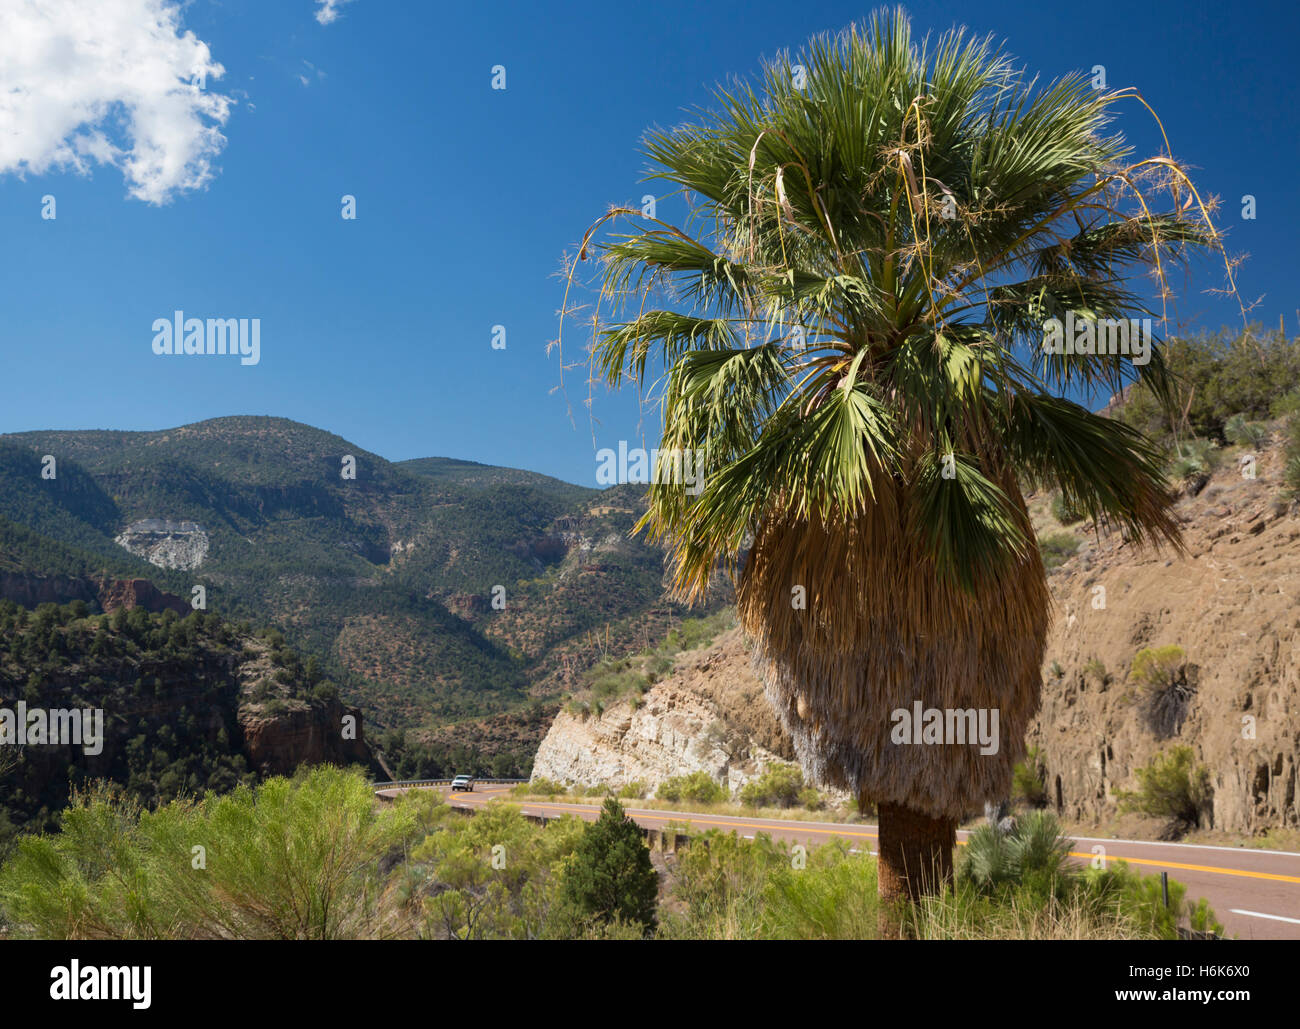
[
  {"x": 1231, "y": 603},
  {"x": 305, "y": 733},
  {"x": 165, "y": 543},
  {"x": 709, "y": 715},
  {"x": 129, "y": 593},
  {"x": 28, "y": 590}
]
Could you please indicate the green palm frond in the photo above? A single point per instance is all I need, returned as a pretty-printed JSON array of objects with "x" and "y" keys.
[{"x": 863, "y": 285}]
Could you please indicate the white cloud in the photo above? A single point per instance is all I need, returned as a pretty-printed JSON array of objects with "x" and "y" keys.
[
  {"x": 111, "y": 82},
  {"x": 329, "y": 10}
]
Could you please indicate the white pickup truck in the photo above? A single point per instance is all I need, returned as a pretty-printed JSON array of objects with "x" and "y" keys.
[{"x": 463, "y": 782}]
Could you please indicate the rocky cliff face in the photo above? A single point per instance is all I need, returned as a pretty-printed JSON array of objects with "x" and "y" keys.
[
  {"x": 28, "y": 590},
  {"x": 309, "y": 733},
  {"x": 279, "y": 731},
  {"x": 709, "y": 715},
  {"x": 165, "y": 543},
  {"x": 1230, "y": 602},
  {"x": 129, "y": 593}
]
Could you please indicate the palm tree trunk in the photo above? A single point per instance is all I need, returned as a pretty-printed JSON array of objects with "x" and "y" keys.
[{"x": 915, "y": 860}]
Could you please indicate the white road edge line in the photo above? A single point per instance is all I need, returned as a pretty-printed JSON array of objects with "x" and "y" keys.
[
  {"x": 1260, "y": 914},
  {"x": 1190, "y": 846}
]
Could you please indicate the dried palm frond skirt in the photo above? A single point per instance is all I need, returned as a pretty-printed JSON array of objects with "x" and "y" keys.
[{"x": 880, "y": 632}]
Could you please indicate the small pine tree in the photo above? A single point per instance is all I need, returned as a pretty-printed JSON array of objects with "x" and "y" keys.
[{"x": 610, "y": 876}]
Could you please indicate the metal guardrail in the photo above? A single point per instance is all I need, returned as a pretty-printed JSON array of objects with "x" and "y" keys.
[{"x": 443, "y": 782}]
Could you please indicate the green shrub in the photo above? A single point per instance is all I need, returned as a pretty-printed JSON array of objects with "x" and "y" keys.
[
  {"x": 1291, "y": 478},
  {"x": 1057, "y": 548},
  {"x": 610, "y": 877},
  {"x": 1029, "y": 780},
  {"x": 543, "y": 787},
  {"x": 1157, "y": 666},
  {"x": 1172, "y": 786},
  {"x": 1218, "y": 375},
  {"x": 1291, "y": 458},
  {"x": 693, "y": 633},
  {"x": 1063, "y": 512},
  {"x": 1285, "y": 405},
  {"x": 778, "y": 786},
  {"x": 719, "y": 884},
  {"x": 614, "y": 681},
  {"x": 1140, "y": 898},
  {"x": 1017, "y": 886},
  {"x": 292, "y": 859},
  {"x": 832, "y": 898},
  {"x": 635, "y": 790},
  {"x": 455, "y": 891},
  {"x": 696, "y": 788},
  {"x": 1200, "y": 917}
]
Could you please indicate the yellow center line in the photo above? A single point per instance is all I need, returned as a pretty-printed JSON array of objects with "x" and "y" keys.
[
  {"x": 807, "y": 828},
  {"x": 1200, "y": 868}
]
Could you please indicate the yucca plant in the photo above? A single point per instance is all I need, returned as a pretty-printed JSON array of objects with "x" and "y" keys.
[
  {"x": 1035, "y": 847},
  {"x": 1243, "y": 433},
  {"x": 1193, "y": 459},
  {"x": 1291, "y": 479},
  {"x": 849, "y": 327}
]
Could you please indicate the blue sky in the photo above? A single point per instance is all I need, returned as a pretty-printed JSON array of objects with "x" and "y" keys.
[{"x": 379, "y": 328}]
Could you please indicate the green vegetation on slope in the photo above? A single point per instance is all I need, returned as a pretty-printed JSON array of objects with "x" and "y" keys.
[
  {"x": 170, "y": 689},
  {"x": 416, "y": 869}
]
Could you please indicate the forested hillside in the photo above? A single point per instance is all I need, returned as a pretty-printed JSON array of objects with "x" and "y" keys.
[
  {"x": 189, "y": 704},
  {"x": 432, "y": 590}
]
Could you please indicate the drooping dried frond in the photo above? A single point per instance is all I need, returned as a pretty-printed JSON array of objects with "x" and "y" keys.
[{"x": 880, "y": 633}]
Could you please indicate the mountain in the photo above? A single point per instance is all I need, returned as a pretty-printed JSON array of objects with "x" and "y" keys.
[
  {"x": 453, "y": 472},
  {"x": 434, "y": 590}
]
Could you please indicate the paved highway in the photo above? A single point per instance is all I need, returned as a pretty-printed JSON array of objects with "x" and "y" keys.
[{"x": 1254, "y": 893}]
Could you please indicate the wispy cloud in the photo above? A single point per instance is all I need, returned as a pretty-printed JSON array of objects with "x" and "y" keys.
[
  {"x": 329, "y": 10},
  {"x": 121, "y": 86},
  {"x": 312, "y": 70}
]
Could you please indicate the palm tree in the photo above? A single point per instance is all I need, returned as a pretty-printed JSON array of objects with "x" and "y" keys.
[{"x": 849, "y": 326}]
